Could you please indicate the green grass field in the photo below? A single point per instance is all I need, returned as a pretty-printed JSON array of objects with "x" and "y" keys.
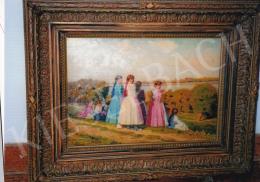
[
  {"x": 84, "y": 132},
  {"x": 207, "y": 126}
]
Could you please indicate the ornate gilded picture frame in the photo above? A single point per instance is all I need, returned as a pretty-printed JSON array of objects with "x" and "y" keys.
[{"x": 71, "y": 95}]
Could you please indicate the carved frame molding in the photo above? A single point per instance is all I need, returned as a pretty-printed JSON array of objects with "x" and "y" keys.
[{"x": 49, "y": 23}]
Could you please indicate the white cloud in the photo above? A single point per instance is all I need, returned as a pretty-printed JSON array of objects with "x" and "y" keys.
[{"x": 104, "y": 58}]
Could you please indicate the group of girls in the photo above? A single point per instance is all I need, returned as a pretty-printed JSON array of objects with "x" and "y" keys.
[{"x": 128, "y": 108}]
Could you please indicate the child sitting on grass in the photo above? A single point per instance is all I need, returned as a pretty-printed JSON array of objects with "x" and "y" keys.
[
  {"x": 175, "y": 122},
  {"x": 171, "y": 113}
]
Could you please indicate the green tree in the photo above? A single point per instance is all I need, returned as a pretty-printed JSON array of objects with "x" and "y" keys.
[
  {"x": 204, "y": 100},
  {"x": 104, "y": 92}
]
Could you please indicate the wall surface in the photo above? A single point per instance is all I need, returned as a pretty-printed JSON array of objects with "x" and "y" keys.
[
  {"x": 15, "y": 88},
  {"x": 2, "y": 29},
  {"x": 15, "y": 101}
]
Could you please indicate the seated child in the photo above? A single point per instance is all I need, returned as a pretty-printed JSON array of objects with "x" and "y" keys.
[
  {"x": 175, "y": 122},
  {"x": 97, "y": 111},
  {"x": 88, "y": 111},
  {"x": 103, "y": 112},
  {"x": 171, "y": 113}
]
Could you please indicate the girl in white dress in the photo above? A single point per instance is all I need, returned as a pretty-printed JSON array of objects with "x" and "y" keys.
[
  {"x": 130, "y": 114},
  {"x": 179, "y": 125},
  {"x": 175, "y": 122}
]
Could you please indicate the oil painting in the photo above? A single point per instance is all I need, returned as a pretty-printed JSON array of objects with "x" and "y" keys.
[{"x": 142, "y": 90}]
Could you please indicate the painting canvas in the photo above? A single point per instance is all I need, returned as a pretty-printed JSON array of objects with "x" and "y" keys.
[{"x": 142, "y": 90}]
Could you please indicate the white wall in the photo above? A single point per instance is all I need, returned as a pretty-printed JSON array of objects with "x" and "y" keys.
[
  {"x": 15, "y": 102},
  {"x": 2, "y": 27},
  {"x": 15, "y": 88}
]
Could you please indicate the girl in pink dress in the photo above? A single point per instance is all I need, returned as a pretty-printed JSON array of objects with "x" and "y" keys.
[
  {"x": 88, "y": 111},
  {"x": 157, "y": 115}
]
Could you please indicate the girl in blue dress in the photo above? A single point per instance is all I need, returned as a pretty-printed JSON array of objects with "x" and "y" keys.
[{"x": 115, "y": 104}]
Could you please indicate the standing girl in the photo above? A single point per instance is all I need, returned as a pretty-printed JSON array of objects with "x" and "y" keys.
[
  {"x": 114, "y": 107},
  {"x": 157, "y": 115},
  {"x": 141, "y": 98},
  {"x": 130, "y": 113}
]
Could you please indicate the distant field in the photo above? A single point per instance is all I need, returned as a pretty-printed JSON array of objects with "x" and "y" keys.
[{"x": 88, "y": 132}]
